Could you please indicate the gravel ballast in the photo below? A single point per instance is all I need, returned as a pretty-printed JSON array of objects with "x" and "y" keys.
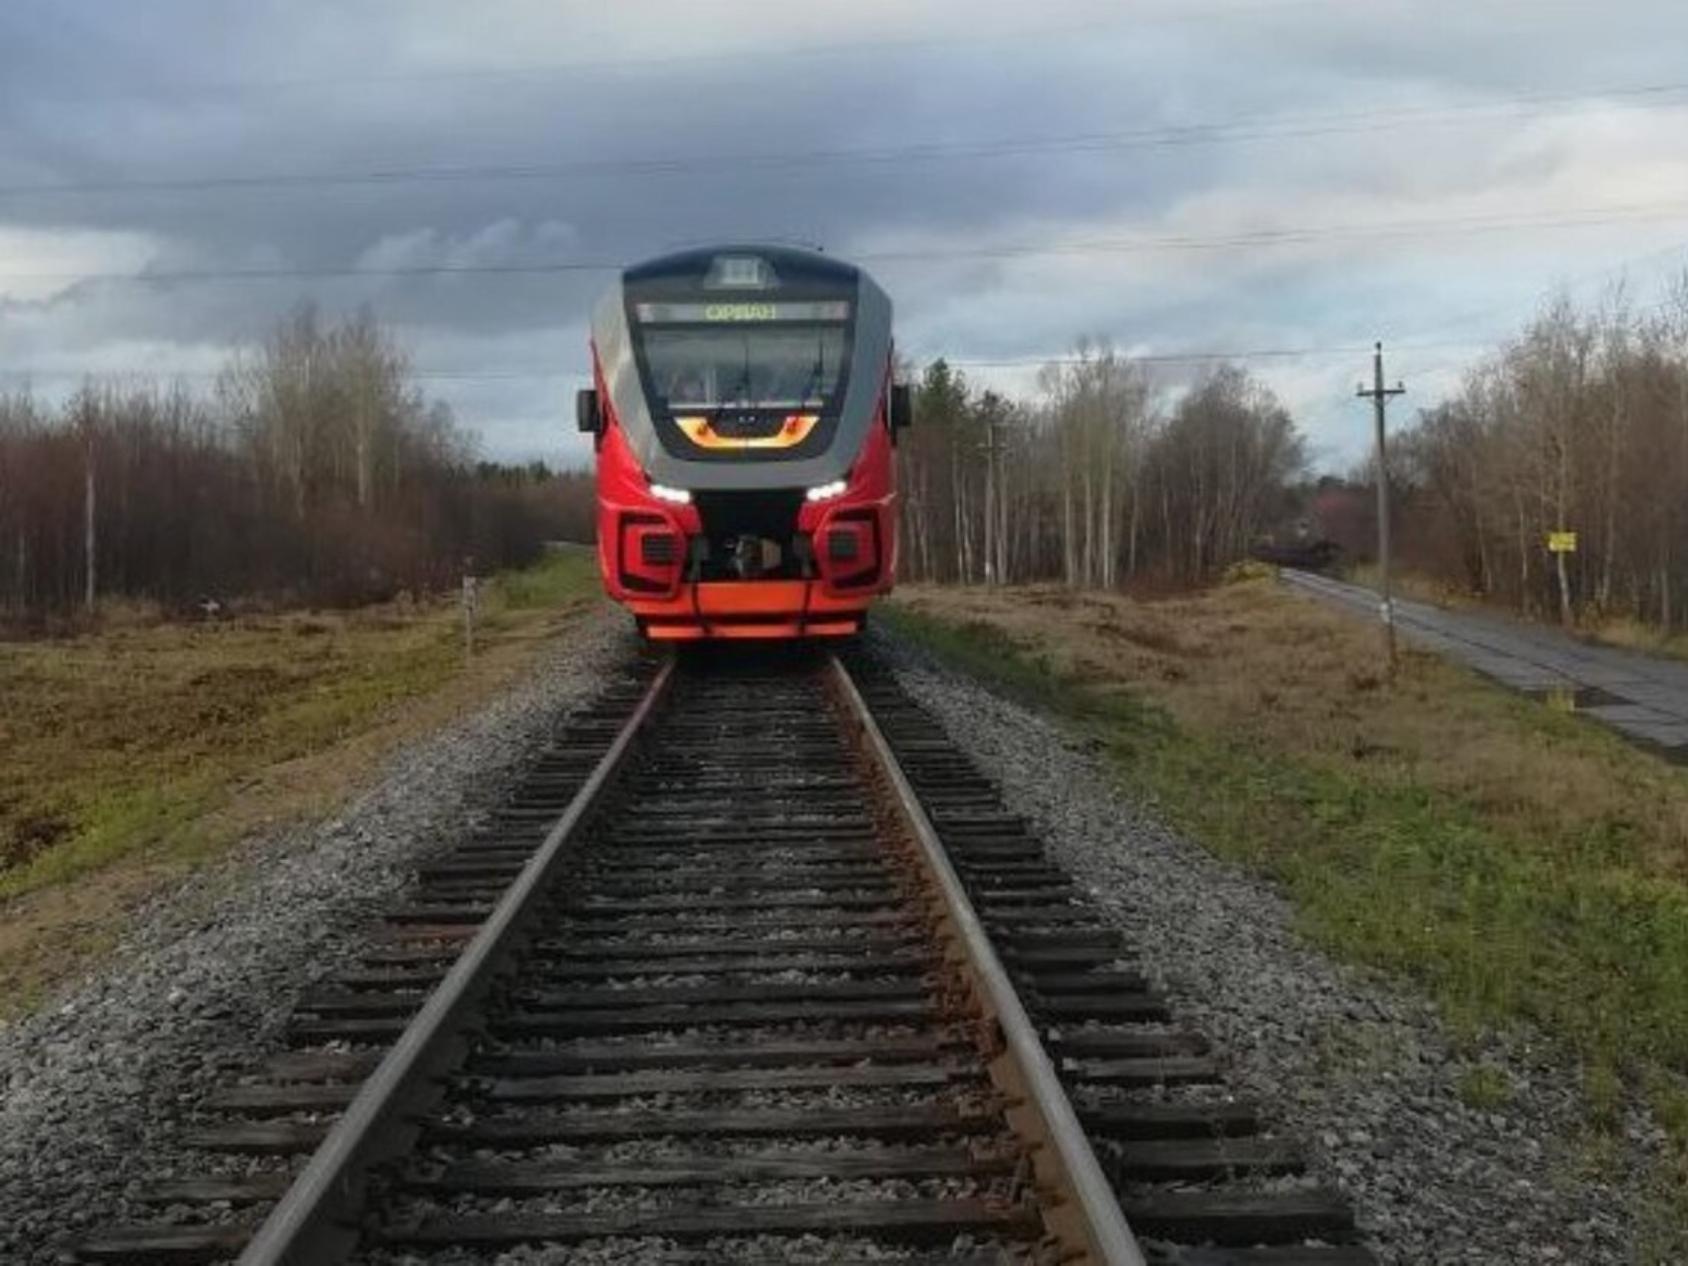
[
  {"x": 97, "y": 1085},
  {"x": 1360, "y": 1068}
]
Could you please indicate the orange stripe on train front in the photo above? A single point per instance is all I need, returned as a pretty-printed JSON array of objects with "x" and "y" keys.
[{"x": 701, "y": 431}]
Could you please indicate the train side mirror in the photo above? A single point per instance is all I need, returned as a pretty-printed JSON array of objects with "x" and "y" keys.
[
  {"x": 902, "y": 407},
  {"x": 587, "y": 415}
]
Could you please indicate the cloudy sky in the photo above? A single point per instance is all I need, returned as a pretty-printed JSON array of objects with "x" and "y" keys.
[{"x": 1283, "y": 179}]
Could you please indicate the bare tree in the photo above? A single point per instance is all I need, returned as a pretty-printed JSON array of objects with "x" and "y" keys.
[
  {"x": 1580, "y": 424},
  {"x": 315, "y": 469}
]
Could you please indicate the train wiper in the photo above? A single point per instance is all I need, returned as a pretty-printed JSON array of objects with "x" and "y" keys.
[
  {"x": 816, "y": 375},
  {"x": 741, "y": 392}
]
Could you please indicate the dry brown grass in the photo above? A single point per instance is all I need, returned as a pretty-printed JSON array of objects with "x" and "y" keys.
[
  {"x": 132, "y": 754},
  {"x": 1282, "y": 674},
  {"x": 1636, "y": 636}
]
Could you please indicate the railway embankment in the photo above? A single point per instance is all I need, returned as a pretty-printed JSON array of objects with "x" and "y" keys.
[
  {"x": 153, "y": 973},
  {"x": 1439, "y": 922}
]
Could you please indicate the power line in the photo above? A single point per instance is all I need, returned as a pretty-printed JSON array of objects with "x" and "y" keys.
[
  {"x": 1610, "y": 273},
  {"x": 324, "y": 272},
  {"x": 1184, "y": 357},
  {"x": 1188, "y": 356},
  {"x": 1481, "y": 222},
  {"x": 1294, "y": 126},
  {"x": 1486, "y": 222}
]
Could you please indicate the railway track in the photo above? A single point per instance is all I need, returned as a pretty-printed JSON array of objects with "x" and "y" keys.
[{"x": 754, "y": 966}]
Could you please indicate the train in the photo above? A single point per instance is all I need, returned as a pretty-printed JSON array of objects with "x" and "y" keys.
[{"x": 743, "y": 417}]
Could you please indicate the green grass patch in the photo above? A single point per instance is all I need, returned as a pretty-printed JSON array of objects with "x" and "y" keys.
[
  {"x": 563, "y": 575},
  {"x": 983, "y": 650},
  {"x": 1485, "y": 1087}
]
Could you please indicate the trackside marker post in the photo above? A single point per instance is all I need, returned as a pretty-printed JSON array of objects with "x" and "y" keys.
[{"x": 471, "y": 599}]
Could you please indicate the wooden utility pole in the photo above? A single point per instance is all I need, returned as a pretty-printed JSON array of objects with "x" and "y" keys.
[
  {"x": 88, "y": 540},
  {"x": 1379, "y": 395},
  {"x": 993, "y": 491}
]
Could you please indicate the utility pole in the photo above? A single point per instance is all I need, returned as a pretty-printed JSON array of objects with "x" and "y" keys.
[
  {"x": 992, "y": 492},
  {"x": 1379, "y": 395},
  {"x": 89, "y": 553}
]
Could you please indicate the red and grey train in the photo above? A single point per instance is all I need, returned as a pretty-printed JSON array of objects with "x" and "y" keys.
[{"x": 743, "y": 416}]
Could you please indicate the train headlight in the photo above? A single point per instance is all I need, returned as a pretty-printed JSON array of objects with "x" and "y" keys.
[
  {"x": 674, "y": 496},
  {"x": 825, "y": 492}
]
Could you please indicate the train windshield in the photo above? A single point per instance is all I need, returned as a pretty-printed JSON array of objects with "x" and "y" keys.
[{"x": 750, "y": 365}]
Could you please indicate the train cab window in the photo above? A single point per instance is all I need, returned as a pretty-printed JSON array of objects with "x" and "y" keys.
[{"x": 747, "y": 366}]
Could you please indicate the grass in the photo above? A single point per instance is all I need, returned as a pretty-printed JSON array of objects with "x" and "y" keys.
[
  {"x": 1518, "y": 863},
  {"x": 1485, "y": 1087},
  {"x": 1633, "y": 635},
  {"x": 1416, "y": 586},
  {"x": 130, "y": 753},
  {"x": 562, "y": 577}
]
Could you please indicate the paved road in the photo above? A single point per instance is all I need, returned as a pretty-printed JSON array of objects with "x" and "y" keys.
[{"x": 1644, "y": 697}]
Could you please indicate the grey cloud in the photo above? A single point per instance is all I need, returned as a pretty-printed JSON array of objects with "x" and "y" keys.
[{"x": 181, "y": 89}]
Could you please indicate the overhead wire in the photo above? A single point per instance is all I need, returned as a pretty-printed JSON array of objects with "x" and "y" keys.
[
  {"x": 1284, "y": 127},
  {"x": 1470, "y": 223},
  {"x": 1183, "y": 356},
  {"x": 1292, "y": 126},
  {"x": 1416, "y": 343}
]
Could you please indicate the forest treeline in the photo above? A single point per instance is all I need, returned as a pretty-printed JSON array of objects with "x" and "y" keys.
[
  {"x": 1096, "y": 481},
  {"x": 1580, "y": 424},
  {"x": 313, "y": 471},
  {"x": 316, "y": 470}
]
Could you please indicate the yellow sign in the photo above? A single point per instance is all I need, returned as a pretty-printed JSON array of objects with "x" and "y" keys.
[{"x": 1562, "y": 542}]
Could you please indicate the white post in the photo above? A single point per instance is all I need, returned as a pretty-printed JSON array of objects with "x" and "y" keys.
[{"x": 470, "y": 601}]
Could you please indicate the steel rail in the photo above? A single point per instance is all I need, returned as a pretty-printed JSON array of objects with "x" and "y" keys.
[
  {"x": 1091, "y": 1223},
  {"x": 315, "y": 1222}
]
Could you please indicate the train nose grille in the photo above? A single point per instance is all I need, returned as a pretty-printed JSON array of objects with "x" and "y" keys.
[{"x": 659, "y": 549}]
